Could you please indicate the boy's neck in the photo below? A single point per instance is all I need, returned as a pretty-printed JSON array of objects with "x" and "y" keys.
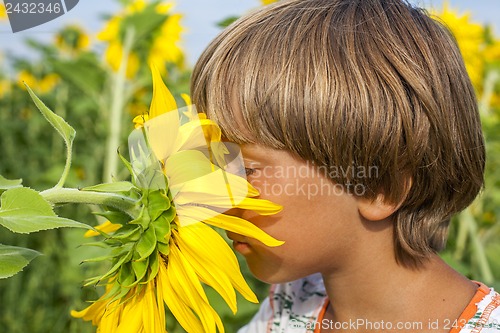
[{"x": 377, "y": 291}]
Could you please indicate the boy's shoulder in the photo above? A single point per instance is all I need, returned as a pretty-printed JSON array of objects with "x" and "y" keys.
[{"x": 298, "y": 307}]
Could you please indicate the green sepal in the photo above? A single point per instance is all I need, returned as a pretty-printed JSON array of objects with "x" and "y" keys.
[
  {"x": 127, "y": 164},
  {"x": 140, "y": 268},
  {"x": 146, "y": 244},
  {"x": 143, "y": 219},
  {"x": 117, "y": 291},
  {"x": 170, "y": 214},
  {"x": 157, "y": 204},
  {"x": 124, "y": 258},
  {"x": 114, "y": 216},
  {"x": 162, "y": 229},
  {"x": 164, "y": 249},
  {"x": 96, "y": 244},
  {"x": 129, "y": 233},
  {"x": 114, "y": 254},
  {"x": 126, "y": 276},
  {"x": 13, "y": 259},
  {"x": 154, "y": 266}
]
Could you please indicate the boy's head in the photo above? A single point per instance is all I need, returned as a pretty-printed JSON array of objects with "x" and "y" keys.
[{"x": 355, "y": 85}]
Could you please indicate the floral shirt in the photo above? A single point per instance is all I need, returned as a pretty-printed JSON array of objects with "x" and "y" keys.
[{"x": 299, "y": 306}]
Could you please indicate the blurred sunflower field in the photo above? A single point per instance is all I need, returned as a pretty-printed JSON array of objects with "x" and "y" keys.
[{"x": 99, "y": 90}]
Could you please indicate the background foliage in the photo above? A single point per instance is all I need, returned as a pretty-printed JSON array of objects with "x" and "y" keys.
[{"x": 100, "y": 93}]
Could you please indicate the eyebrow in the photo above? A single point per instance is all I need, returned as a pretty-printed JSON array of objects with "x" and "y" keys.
[{"x": 250, "y": 153}]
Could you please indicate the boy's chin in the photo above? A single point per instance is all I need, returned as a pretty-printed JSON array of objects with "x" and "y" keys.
[{"x": 272, "y": 275}]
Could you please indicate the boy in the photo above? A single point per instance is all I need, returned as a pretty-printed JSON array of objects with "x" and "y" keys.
[{"x": 359, "y": 118}]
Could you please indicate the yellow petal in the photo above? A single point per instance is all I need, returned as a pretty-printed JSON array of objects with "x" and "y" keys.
[
  {"x": 162, "y": 134},
  {"x": 212, "y": 261},
  {"x": 183, "y": 278},
  {"x": 111, "y": 30},
  {"x": 187, "y": 165},
  {"x": 187, "y": 100},
  {"x": 223, "y": 190},
  {"x": 93, "y": 312},
  {"x": 163, "y": 101},
  {"x": 140, "y": 120},
  {"x": 184, "y": 315},
  {"x": 111, "y": 318},
  {"x": 208, "y": 272},
  {"x": 159, "y": 299},
  {"x": 106, "y": 227},
  {"x": 193, "y": 214},
  {"x": 163, "y": 8},
  {"x": 191, "y": 137},
  {"x": 132, "y": 315},
  {"x": 218, "y": 186},
  {"x": 152, "y": 316}
]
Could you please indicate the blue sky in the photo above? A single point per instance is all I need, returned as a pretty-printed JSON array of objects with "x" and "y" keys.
[{"x": 200, "y": 17}]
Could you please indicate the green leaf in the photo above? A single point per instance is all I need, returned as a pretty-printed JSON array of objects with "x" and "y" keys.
[
  {"x": 111, "y": 187},
  {"x": 24, "y": 210},
  {"x": 13, "y": 259},
  {"x": 6, "y": 184},
  {"x": 227, "y": 21},
  {"x": 84, "y": 72},
  {"x": 144, "y": 23},
  {"x": 62, "y": 127}
]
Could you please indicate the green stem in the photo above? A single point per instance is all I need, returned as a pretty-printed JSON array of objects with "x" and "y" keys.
[
  {"x": 489, "y": 88},
  {"x": 463, "y": 232},
  {"x": 71, "y": 195},
  {"x": 117, "y": 104},
  {"x": 482, "y": 260},
  {"x": 67, "y": 167}
]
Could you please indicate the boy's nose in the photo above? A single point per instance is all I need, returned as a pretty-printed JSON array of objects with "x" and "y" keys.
[{"x": 237, "y": 212}]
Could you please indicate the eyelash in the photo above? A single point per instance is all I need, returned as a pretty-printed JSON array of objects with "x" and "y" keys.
[{"x": 249, "y": 171}]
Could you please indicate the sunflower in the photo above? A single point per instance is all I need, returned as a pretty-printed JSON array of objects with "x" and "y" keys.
[
  {"x": 470, "y": 39},
  {"x": 180, "y": 176},
  {"x": 159, "y": 46}
]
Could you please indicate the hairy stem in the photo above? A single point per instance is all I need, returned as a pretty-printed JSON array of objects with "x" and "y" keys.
[
  {"x": 71, "y": 195},
  {"x": 117, "y": 104}
]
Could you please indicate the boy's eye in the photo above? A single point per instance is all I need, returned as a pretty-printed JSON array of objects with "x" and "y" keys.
[{"x": 249, "y": 171}]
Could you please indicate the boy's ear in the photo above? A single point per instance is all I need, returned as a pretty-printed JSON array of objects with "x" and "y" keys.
[{"x": 376, "y": 209}]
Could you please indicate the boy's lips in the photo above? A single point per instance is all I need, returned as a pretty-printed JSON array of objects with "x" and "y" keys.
[{"x": 239, "y": 243}]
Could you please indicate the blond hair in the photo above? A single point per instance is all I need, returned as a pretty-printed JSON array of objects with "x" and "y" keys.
[{"x": 355, "y": 82}]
